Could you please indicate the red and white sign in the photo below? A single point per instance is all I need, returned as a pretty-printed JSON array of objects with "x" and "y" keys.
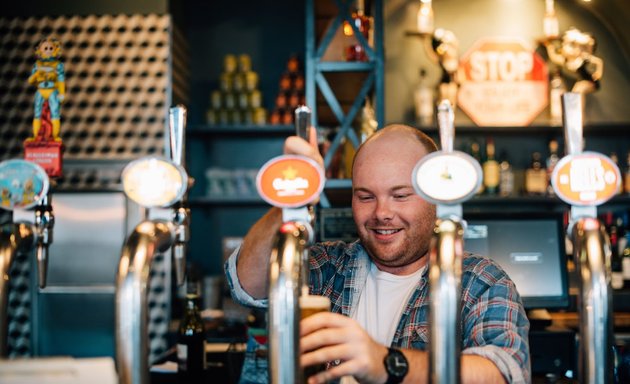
[
  {"x": 290, "y": 181},
  {"x": 505, "y": 83},
  {"x": 586, "y": 179}
]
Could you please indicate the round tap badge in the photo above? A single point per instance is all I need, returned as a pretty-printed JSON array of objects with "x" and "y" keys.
[
  {"x": 22, "y": 184},
  {"x": 290, "y": 181},
  {"x": 586, "y": 179},
  {"x": 154, "y": 182},
  {"x": 451, "y": 178}
]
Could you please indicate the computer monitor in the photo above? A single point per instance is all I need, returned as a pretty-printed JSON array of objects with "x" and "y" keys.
[{"x": 529, "y": 247}]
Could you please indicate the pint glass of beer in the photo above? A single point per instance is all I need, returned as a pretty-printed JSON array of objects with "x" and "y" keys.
[{"x": 310, "y": 305}]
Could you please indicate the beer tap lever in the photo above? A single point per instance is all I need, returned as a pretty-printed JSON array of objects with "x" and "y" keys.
[
  {"x": 288, "y": 269},
  {"x": 181, "y": 211},
  {"x": 591, "y": 246},
  {"x": 446, "y": 123}
]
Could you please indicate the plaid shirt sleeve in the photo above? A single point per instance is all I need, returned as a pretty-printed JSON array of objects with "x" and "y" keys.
[{"x": 494, "y": 323}]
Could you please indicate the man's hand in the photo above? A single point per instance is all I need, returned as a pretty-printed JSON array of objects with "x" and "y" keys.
[
  {"x": 333, "y": 337},
  {"x": 295, "y": 145}
]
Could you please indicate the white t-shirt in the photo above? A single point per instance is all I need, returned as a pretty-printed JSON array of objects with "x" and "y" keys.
[{"x": 381, "y": 303}]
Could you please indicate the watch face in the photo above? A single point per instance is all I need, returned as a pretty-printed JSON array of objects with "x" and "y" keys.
[{"x": 396, "y": 364}]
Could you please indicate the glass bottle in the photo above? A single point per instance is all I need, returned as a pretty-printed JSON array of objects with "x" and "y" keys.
[
  {"x": 536, "y": 176},
  {"x": 615, "y": 159},
  {"x": 616, "y": 266},
  {"x": 551, "y": 162},
  {"x": 550, "y": 21},
  {"x": 491, "y": 171},
  {"x": 425, "y": 17},
  {"x": 506, "y": 176},
  {"x": 423, "y": 101},
  {"x": 625, "y": 264},
  {"x": 475, "y": 152},
  {"x": 626, "y": 176},
  {"x": 356, "y": 51},
  {"x": 191, "y": 340}
]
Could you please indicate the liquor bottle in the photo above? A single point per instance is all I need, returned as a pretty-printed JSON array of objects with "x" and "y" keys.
[
  {"x": 491, "y": 171},
  {"x": 625, "y": 263},
  {"x": 550, "y": 21},
  {"x": 356, "y": 51},
  {"x": 506, "y": 177},
  {"x": 536, "y": 176},
  {"x": 616, "y": 266},
  {"x": 556, "y": 89},
  {"x": 423, "y": 101},
  {"x": 191, "y": 340},
  {"x": 626, "y": 176},
  {"x": 551, "y": 162},
  {"x": 475, "y": 152},
  {"x": 425, "y": 17},
  {"x": 615, "y": 159}
]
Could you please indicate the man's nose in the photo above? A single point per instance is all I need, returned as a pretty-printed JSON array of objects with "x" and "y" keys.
[{"x": 384, "y": 210}]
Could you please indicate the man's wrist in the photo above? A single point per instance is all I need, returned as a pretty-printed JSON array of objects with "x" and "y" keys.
[{"x": 396, "y": 366}]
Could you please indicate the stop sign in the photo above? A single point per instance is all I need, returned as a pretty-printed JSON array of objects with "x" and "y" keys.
[{"x": 504, "y": 83}]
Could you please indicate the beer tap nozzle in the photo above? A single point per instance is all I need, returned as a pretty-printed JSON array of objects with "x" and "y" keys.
[{"x": 44, "y": 223}]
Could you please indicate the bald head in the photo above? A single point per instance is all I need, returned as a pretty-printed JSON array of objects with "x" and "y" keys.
[{"x": 398, "y": 132}]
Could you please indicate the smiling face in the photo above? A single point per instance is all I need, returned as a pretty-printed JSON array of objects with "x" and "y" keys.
[
  {"x": 49, "y": 48},
  {"x": 393, "y": 222}
]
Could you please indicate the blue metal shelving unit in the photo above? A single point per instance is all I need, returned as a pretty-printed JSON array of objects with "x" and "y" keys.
[{"x": 316, "y": 68}]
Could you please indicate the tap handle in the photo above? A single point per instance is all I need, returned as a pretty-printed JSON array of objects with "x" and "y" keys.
[
  {"x": 303, "y": 122},
  {"x": 446, "y": 124},
  {"x": 177, "y": 128},
  {"x": 572, "y": 116}
]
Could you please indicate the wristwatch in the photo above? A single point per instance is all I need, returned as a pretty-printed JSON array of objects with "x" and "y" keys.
[{"x": 396, "y": 366}]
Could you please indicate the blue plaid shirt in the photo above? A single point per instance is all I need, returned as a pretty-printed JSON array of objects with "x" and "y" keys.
[{"x": 494, "y": 324}]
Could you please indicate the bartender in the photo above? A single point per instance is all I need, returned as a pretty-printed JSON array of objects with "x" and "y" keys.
[{"x": 377, "y": 331}]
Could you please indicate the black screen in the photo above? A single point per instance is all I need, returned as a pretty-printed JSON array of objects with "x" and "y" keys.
[{"x": 530, "y": 248}]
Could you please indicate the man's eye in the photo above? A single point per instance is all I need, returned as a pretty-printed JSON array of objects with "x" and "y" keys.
[
  {"x": 365, "y": 198},
  {"x": 401, "y": 196}
]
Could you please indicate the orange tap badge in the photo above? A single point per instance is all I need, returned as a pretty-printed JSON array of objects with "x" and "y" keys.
[
  {"x": 586, "y": 179},
  {"x": 290, "y": 181}
]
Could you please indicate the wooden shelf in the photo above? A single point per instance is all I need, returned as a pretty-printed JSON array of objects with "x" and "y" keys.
[
  {"x": 589, "y": 129},
  {"x": 241, "y": 129}
]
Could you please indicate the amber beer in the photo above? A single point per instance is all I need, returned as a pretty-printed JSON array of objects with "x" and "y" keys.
[{"x": 310, "y": 305}]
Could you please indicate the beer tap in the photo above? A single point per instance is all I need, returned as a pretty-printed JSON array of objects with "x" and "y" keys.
[
  {"x": 585, "y": 180},
  {"x": 446, "y": 178},
  {"x": 151, "y": 182},
  {"x": 181, "y": 211},
  {"x": 44, "y": 223},
  {"x": 23, "y": 185},
  {"x": 291, "y": 183}
]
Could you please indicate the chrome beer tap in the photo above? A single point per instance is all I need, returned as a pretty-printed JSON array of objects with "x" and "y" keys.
[
  {"x": 288, "y": 270},
  {"x": 181, "y": 211},
  {"x": 44, "y": 223},
  {"x": 585, "y": 180},
  {"x": 23, "y": 185},
  {"x": 446, "y": 178},
  {"x": 151, "y": 182}
]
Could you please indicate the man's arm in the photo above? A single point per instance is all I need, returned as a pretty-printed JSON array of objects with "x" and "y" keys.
[
  {"x": 253, "y": 259},
  {"x": 331, "y": 337}
]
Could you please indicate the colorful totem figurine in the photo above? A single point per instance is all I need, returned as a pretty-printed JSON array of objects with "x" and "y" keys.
[{"x": 48, "y": 76}]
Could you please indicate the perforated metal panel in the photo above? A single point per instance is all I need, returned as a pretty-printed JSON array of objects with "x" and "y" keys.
[{"x": 119, "y": 85}]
